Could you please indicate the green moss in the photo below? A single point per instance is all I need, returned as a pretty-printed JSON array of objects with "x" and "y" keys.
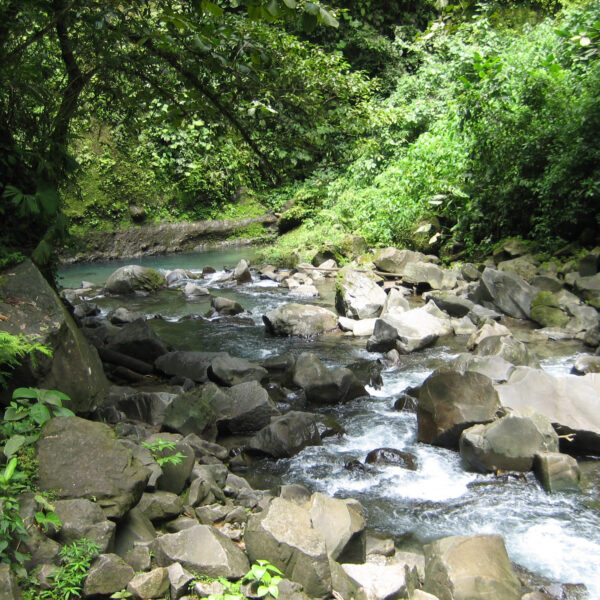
[{"x": 546, "y": 310}]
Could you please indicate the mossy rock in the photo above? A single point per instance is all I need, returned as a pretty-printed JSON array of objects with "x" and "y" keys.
[
  {"x": 292, "y": 218},
  {"x": 546, "y": 310},
  {"x": 349, "y": 247}
]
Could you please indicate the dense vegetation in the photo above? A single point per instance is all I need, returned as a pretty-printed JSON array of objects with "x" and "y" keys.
[{"x": 429, "y": 124}]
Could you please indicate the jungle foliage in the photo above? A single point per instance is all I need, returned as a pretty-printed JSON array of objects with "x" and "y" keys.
[{"x": 478, "y": 119}]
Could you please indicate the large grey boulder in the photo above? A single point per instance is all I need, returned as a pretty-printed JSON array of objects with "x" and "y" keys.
[
  {"x": 357, "y": 296},
  {"x": 300, "y": 319},
  {"x": 342, "y": 525},
  {"x": 190, "y": 413},
  {"x": 523, "y": 266},
  {"x": 154, "y": 584},
  {"x": 392, "y": 260},
  {"x": 495, "y": 367},
  {"x": 84, "y": 519},
  {"x": 589, "y": 288},
  {"x": 108, "y": 574},
  {"x": 508, "y": 444},
  {"x": 160, "y": 505},
  {"x": 246, "y": 407},
  {"x": 134, "y": 278},
  {"x": 75, "y": 367},
  {"x": 287, "y": 435},
  {"x": 241, "y": 273},
  {"x": 569, "y": 402},
  {"x": 395, "y": 302},
  {"x": 133, "y": 530},
  {"x": 323, "y": 385},
  {"x": 231, "y": 370},
  {"x": 485, "y": 331},
  {"x": 149, "y": 407},
  {"x": 193, "y": 365},
  {"x": 455, "y": 306},
  {"x": 139, "y": 340},
  {"x": 451, "y": 402},
  {"x": 427, "y": 274},
  {"x": 509, "y": 293},
  {"x": 283, "y": 535},
  {"x": 83, "y": 459},
  {"x": 203, "y": 550},
  {"x": 507, "y": 347},
  {"x": 469, "y": 567},
  {"x": 226, "y": 306}
]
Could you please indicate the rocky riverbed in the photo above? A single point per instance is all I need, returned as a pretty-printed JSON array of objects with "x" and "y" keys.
[{"x": 443, "y": 365}]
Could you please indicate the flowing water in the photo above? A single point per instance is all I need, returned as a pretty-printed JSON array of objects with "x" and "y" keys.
[{"x": 556, "y": 536}]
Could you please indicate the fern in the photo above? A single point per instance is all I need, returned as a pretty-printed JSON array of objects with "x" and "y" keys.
[{"x": 13, "y": 349}]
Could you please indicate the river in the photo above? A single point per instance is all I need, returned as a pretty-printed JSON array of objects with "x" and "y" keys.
[{"x": 556, "y": 536}]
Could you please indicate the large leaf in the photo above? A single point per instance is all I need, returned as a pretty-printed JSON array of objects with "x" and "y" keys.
[
  {"x": 53, "y": 397},
  {"x": 309, "y": 22},
  {"x": 40, "y": 413},
  {"x": 326, "y": 17},
  {"x": 13, "y": 444},
  {"x": 290, "y": 3},
  {"x": 26, "y": 393}
]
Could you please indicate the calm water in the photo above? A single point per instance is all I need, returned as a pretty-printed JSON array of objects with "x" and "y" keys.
[{"x": 557, "y": 536}]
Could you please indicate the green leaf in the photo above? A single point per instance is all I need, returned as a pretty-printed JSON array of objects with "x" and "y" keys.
[
  {"x": 326, "y": 17},
  {"x": 40, "y": 413},
  {"x": 14, "y": 414},
  {"x": 13, "y": 444},
  {"x": 53, "y": 397},
  {"x": 210, "y": 7},
  {"x": 262, "y": 591},
  {"x": 312, "y": 9},
  {"x": 62, "y": 411},
  {"x": 309, "y": 22},
  {"x": 26, "y": 393},
  {"x": 290, "y": 4},
  {"x": 273, "y": 8},
  {"x": 10, "y": 469}
]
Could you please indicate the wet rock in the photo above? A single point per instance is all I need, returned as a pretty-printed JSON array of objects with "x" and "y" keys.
[
  {"x": 450, "y": 402},
  {"x": 280, "y": 368},
  {"x": 134, "y": 278},
  {"x": 325, "y": 386},
  {"x": 508, "y": 444},
  {"x": 383, "y": 338},
  {"x": 391, "y": 456},
  {"x": 203, "y": 550},
  {"x": 283, "y": 535},
  {"x": 241, "y": 274},
  {"x": 358, "y": 296},
  {"x": 475, "y": 566},
  {"x": 586, "y": 363},
  {"x": 226, "y": 306},
  {"x": 406, "y": 402},
  {"x": 246, "y": 407},
  {"x": 179, "y": 276},
  {"x": 355, "y": 466},
  {"x": 108, "y": 574},
  {"x": 194, "y": 290},
  {"x": 230, "y": 370},
  {"x": 122, "y": 316},
  {"x": 342, "y": 525},
  {"x": 557, "y": 472},
  {"x": 300, "y": 319},
  {"x": 104, "y": 470},
  {"x": 569, "y": 402},
  {"x": 287, "y": 435}
]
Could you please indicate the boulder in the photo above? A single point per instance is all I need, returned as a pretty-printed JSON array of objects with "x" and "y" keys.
[
  {"x": 148, "y": 407},
  {"x": 9, "y": 588},
  {"x": 133, "y": 530},
  {"x": 510, "y": 248},
  {"x": 395, "y": 302},
  {"x": 323, "y": 385},
  {"x": 586, "y": 363},
  {"x": 360, "y": 328},
  {"x": 84, "y": 519},
  {"x": 455, "y": 306},
  {"x": 300, "y": 319},
  {"x": 36, "y": 311},
  {"x": 283, "y": 534},
  {"x": 154, "y": 584},
  {"x": 384, "y": 337},
  {"x": 557, "y": 472},
  {"x": 589, "y": 289},
  {"x": 246, "y": 407},
  {"x": 179, "y": 581},
  {"x": 495, "y": 367},
  {"x": 134, "y": 278},
  {"x": 201, "y": 549},
  {"x": 175, "y": 474},
  {"x": 357, "y": 296},
  {"x": 425, "y": 274},
  {"x": 139, "y": 340},
  {"x": 487, "y": 330},
  {"x": 241, "y": 273},
  {"x": 392, "y": 260},
  {"x": 391, "y": 456},
  {"x": 179, "y": 276},
  {"x": 160, "y": 505},
  {"x": 508, "y": 348},
  {"x": 589, "y": 265},
  {"x": 190, "y": 413},
  {"x": 280, "y": 368},
  {"x": 108, "y": 574},
  {"x": 546, "y": 310},
  {"x": 379, "y": 581},
  {"x": 451, "y": 402},
  {"x": 104, "y": 470},
  {"x": 509, "y": 293},
  {"x": 468, "y": 567},
  {"x": 231, "y": 370},
  {"x": 523, "y": 266},
  {"x": 342, "y": 525},
  {"x": 195, "y": 290},
  {"x": 122, "y": 315},
  {"x": 192, "y": 365},
  {"x": 570, "y": 403},
  {"x": 226, "y": 306},
  {"x": 508, "y": 444},
  {"x": 287, "y": 435}
]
